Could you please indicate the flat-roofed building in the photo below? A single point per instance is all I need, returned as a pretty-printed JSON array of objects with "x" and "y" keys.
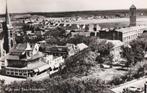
[
  {"x": 125, "y": 35},
  {"x": 131, "y": 33}
]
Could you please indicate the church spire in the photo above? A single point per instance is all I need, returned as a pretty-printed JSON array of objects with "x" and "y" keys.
[
  {"x": 7, "y": 17},
  {"x": 9, "y": 37}
]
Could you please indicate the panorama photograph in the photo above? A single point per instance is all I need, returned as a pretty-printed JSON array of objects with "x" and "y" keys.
[{"x": 73, "y": 46}]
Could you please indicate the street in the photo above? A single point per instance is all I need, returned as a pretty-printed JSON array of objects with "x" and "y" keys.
[{"x": 139, "y": 83}]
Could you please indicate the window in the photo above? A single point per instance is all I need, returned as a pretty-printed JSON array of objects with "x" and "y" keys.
[
  {"x": 24, "y": 74},
  {"x": 94, "y": 29},
  {"x": 11, "y": 34},
  {"x": 16, "y": 73},
  {"x": 8, "y": 73},
  {"x": 11, "y": 43},
  {"x": 12, "y": 73}
]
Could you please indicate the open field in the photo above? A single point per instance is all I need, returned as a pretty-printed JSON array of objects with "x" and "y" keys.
[{"x": 105, "y": 74}]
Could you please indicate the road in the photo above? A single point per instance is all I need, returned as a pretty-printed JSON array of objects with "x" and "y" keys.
[{"x": 136, "y": 83}]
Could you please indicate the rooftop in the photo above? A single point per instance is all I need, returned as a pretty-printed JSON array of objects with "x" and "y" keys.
[
  {"x": 82, "y": 46},
  {"x": 33, "y": 57},
  {"x": 19, "y": 49}
]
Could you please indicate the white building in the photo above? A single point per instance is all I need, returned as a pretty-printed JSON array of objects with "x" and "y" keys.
[
  {"x": 81, "y": 46},
  {"x": 54, "y": 62},
  {"x": 131, "y": 33}
]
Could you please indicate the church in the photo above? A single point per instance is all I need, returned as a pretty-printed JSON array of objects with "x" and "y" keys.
[{"x": 23, "y": 59}]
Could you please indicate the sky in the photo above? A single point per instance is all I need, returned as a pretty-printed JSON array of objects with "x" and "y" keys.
[{"x": 20, "y": 6}]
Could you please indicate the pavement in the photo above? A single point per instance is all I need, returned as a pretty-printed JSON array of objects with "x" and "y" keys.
[{"x": 139, "y": 83}]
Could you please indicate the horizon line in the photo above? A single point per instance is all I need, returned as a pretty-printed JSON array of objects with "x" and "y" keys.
[{"x": 70, "y": 11}]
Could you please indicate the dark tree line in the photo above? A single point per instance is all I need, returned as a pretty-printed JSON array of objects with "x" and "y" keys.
[
  {"x": 58, "y": 85},
  {"x": 135, "y": 51}
]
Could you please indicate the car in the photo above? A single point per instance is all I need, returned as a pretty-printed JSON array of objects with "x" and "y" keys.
[{"x": 133, "y": 89}]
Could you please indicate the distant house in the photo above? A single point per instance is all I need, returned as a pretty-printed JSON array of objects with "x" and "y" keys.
[
  {"x": 54, "y": 62},
  {"x": 73, "y": 49}
]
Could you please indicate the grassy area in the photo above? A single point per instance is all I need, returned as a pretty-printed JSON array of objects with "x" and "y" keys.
[{"x": 106, "y": 75}]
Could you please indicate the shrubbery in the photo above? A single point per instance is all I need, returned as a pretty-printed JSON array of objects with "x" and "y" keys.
[
  {"x": 134, "y": 73},
  {"x": 58, "y": 85},
  {"x": 79, "y": 64}
]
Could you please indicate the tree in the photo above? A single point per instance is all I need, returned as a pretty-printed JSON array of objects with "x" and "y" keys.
[
  {"x": 100, "y": 60},
  {"x": 57, "y": 32},
  {"x": 128, "y": 54},
  {"x": 138, "y": 47},
  {"x": 110, "y": 60},
  {"x": 79, "y": 64},
  {"x": 103, "y": 48},
  {"x": 79, "y": 39}
]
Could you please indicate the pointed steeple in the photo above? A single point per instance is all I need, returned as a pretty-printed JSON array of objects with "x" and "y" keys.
[
  {"x": 28, "y": 48},
  {"x": 9, "y": 38},
  {"x": 7, "y": 17}
]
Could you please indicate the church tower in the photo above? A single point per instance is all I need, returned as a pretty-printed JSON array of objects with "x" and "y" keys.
[
  {"x": 133, "y": 15},
  {"x": 9, "y": 35}
]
